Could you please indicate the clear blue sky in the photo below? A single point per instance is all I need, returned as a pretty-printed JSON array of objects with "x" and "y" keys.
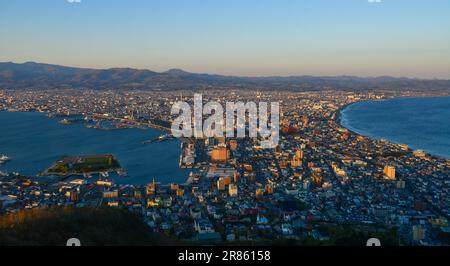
[{"x": 240, "y": 37}]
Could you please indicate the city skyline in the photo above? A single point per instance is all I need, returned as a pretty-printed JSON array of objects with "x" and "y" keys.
[
  {"x": 255, "y": 38},
  {"x": 246, "y": 129}
]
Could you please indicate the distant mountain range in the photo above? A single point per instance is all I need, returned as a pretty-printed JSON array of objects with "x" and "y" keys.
[{"x": 33, "y": 75}]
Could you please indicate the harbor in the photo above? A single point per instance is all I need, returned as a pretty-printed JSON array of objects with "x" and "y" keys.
[{"x": 142, "y": 162}]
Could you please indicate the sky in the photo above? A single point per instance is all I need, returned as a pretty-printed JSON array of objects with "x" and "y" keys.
[{"x": 234, "y": 37}]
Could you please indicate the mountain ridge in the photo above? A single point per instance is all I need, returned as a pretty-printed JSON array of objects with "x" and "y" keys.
[{"x": 41, "y": 75}]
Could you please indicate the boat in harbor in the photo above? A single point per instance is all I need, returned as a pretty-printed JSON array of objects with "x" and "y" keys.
[
  {"x": 4, "y": 159},
  {"x": 159, "y": 139}
]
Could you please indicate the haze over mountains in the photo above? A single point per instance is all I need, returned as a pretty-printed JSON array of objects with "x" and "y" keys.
[{"x": 33, "y": 75}]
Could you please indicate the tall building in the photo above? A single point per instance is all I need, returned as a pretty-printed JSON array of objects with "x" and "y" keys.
[
  {"x": 137, "y": 194},
  {"x": 220, "y": 154},
  {"x": 74, "y": 196},
  {"x": 259, "y": 193},
  {"x": 251, "y": 178},
  {"x": 401, "y": 184},
  {"x": 418, "y": 233},
  {"x": 306, "y": 184},
  {"x": 227, "y": 180},
  {"x": 299, "y": 154},
  {"x": 110, "y": 194},
  {"x": 317, "y": 179},
  {"x": 232, "y": 190},
  {"x": 296, "y": 161},
  {"x": 151, "y": 188},
  {"x": 389, "y": 172},
  {"x": 180, "y": 192},
  {"x": 420, "y": 153},
  {"x": 221, "y": 184},
  {"x": 269, "y": 189}
]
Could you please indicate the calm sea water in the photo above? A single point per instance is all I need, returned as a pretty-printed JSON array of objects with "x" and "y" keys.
[
  {"x": 34, "y": 141},
  {"x": 421, "y": 123}
]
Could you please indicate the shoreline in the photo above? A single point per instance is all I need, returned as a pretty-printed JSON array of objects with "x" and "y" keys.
[
  {"x": 342, "y": 108},
  {"x": 339, "y": 114}
]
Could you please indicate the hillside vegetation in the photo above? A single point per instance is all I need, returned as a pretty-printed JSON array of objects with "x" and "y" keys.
[{"x": 54, "y": 226}]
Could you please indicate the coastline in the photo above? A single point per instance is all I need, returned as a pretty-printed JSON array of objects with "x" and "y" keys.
[
  {"x": 339, "y": 115},
  {"x": 343, "y": 107}
]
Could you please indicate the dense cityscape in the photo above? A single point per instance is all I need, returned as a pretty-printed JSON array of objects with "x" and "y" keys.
[{"x": 320, "y": 182}]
